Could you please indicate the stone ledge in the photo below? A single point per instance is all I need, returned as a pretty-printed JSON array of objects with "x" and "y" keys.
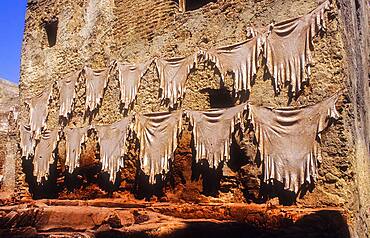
[{"x": 91, "y": 219}]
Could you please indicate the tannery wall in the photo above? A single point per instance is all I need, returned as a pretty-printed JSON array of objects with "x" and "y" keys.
[{"x": 95, "y": 32}]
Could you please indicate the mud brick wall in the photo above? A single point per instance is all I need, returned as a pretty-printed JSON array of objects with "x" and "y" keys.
[{"x": 94, "y": 32}]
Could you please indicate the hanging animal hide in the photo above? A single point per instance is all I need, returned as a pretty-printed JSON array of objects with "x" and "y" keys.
[
  {"x": 212, "y": 132},
  {"x": 44, "y": 154},
  {"x": 240, "y": 59},
  {"x": 39, "y": 112},
  {"x": 173, "y": 74},
  {"x": 67, "y": 93},
  {"x": 27, "y": 143},
  {"x": 289, "y": 141},
  {"x": 75, "y": 137},
  {"x": 288, "y": 48},
  {"x": 129, "y": 76},
  {"x": 158, "y": 134},
  {"x": 96, "y": 82},
  {"x": 112, "y": 139}
]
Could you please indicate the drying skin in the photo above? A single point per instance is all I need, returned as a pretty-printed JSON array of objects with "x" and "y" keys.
[
  {"x": 27, "y": 143},
  {"x": 288, "y": 48},
  {"x": 173, "y": 74},
  {"x": 158, "y": 135},
  {"x": 75, "y": 137},
  {"x": 39, "y": 112},
  {"x": 129, "y": 76},
  {"x": 240, "y": 59},
  {"x": 213, "y": 131},
  {"x": 44, "y": 154},
  {"x": 67, "y": 93},
  {"x": 289, "y": 141},
  {"x": 96, "y": 82},
  {"x": 112, "y": 139}
]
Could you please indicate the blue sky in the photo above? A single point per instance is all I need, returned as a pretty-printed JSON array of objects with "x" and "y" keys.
[{"x": 11, "y": 33}]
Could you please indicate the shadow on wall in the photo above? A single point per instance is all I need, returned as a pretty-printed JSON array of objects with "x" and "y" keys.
[
  {"x": 45, "y": 189},
  {"x": 321, "y": 224}
]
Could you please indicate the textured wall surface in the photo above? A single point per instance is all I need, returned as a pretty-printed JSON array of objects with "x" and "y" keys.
[
  {"x": 8, "y": 139},
  {"x": 94, "y": 32}
]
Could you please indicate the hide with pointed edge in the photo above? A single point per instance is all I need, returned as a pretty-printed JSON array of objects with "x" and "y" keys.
[
  {"x": 241, "y": 59},
  {"x": 75, "y": 137},
  {"x": 289, "y": 141},
  {"x": 39, "y": 112},
  {"x": 129, "y": 76},
  {"x": 96, "y": 82},
  {"x": 212, "y": 132},
  {"x": 67, "y": 93},
  {"x": 288, "y": 48},
  {"x": 173, "y": 74},
  {"x": 158, "y": 136},
  {"x": 44, "y": 154},
  {"x": 112, "y": 139}
]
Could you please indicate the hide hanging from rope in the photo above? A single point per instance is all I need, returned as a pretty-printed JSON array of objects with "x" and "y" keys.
[
  {"x": 74, "y": 137},
  {"x": 158, "y": 136},
  {"x": 129, "y": 76},
  {"x": 39, "y": 112},
  {"x": 27, "y": 143},
  {"x": 212, "y": 132},
  {"x": 112, "y": 140},
  {"x": 288, "y": 48},
  {"x": 44, "y": 154},
  {"x": 96, "y": 82},
  {"x": 289, "y": 141},
  {"x": 240, "y": 59},
  {"x": 173, "y": 74},
  {"x": 67, "y": 93}
]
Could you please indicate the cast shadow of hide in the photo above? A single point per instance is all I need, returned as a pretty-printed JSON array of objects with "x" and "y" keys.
[
  {"x": 267, "y": 76},
  {"x": 90, "y": 115},
  {"x": 142, "y": 189},
  {"x": 324, "y": 223},
  {"x": 222, "y": 98},
  {"x": 46, "y": 189},
  {"x": 91, "y": 174},
  {"x": 276, "y": 189},
  {"x": 211, "y": 177}
]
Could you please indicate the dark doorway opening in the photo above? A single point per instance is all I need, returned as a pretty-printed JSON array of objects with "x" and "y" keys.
[
  {"x": 196, "y": 4},
  {"x": 51, "y": 28},
  {"x": 191, "y": 5}
]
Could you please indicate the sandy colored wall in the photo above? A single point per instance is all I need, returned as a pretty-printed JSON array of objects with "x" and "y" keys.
[{"x": 94, "y": 32}]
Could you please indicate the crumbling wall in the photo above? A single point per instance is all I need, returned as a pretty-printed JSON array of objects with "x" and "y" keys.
[{"x": 94, "y": 32}]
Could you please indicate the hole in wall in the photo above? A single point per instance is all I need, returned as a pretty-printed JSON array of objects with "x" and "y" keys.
[
  {"x": 51, "y": 28},
  {"x": 190, "y": 5},
  {"x": 196, "y": 4}
]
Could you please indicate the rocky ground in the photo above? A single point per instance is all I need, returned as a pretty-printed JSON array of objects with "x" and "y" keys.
[{"x": 117, "y": 218}]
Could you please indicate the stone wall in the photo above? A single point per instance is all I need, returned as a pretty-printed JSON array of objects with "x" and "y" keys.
[
  {"x": 8, "y": 136},
  {"x": 94, "y": 32}
]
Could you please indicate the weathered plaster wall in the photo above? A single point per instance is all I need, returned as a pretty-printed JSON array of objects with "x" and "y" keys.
[{"x": 94, "y": 32}]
